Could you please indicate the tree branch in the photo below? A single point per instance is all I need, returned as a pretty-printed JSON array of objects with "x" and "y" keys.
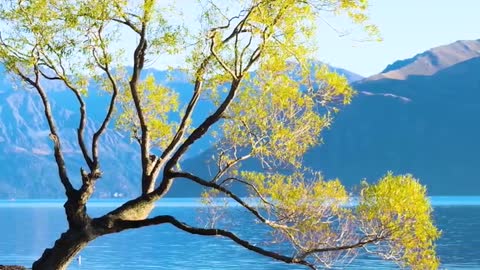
[
  {"x": 219, "y": 60},
  {"x": 188, "y": 113},
  {"x": 62, "y": 170},
  {"x": 222, "y": 171},
  {"x": 126, "y": 224},
  {"x": 359, "y": 244},
  {"x": 199, "y": 81},
  {"x": 128, "y": 23},
  {"x": 253, "y": 187},
  {"x": 196, "y": 134},
  {"x": 216, "y": 186},
  {"x": 83, "y": 111},
  {"x": 138, "y": 63},
  {"x": 96, "y": 136},
  {"x": 212, "y": 119},
  {"x": 125, "y": 20}
]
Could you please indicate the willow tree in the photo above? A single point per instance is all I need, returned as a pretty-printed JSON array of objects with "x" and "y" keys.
[{"x": 251, "y": 59}]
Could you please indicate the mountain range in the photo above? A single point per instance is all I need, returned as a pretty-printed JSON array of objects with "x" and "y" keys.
[{"x": 418, "y": 116}]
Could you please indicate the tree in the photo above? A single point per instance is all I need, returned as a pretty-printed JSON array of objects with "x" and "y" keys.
[{"x": 273, "y": 115}]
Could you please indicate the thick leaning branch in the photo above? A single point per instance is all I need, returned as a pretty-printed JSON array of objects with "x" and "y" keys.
[
  {"x": 370, "y": 239},
  {"x": 128, "y": 23},
  {"x": 203, "y": 128},
  {"x": 88, "y": 179},
  {"x": 74, "y": 206},
  {"x": 159, "y": 162},
  {"x": 166, "y": 219},
  {"x": 76, "y": 200}
]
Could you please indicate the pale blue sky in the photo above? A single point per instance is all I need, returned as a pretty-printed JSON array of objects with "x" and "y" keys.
[{"x": 407, "y": 26}]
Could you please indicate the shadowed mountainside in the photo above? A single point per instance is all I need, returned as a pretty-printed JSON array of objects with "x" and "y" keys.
[
  {"x": 425, "y": 125},
  {"x": 410, "y": 118},
  {"x": 421, "y": 121},
  {"x": 27, "y": 165}
]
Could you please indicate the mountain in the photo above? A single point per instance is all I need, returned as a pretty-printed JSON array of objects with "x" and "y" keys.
[
  {"x": 431, "y": 61},
  {"x": 418, "y": 116},
  {"x": 26, "y": 160},
  {"x": 28, "y": 169},
  {"x": 349, "y": 75}
]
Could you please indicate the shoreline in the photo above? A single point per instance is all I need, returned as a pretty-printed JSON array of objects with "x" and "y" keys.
[{"x": 12, "y": 267}]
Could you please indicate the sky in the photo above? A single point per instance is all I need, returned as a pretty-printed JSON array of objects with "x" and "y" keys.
[{"x": 408, "y": 27}]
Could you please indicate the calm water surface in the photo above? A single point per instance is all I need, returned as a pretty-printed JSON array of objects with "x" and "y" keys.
[{"x": 29, "y": 226}]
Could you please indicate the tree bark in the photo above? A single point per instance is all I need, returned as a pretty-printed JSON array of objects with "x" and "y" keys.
[
  {"x": 84, "y": 230},
  {"x": 64, "y": 250}
]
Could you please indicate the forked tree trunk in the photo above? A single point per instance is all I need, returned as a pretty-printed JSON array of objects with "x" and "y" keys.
[
  {"x": 64, "y": 250},
  {"x": 73, "y": 241}
]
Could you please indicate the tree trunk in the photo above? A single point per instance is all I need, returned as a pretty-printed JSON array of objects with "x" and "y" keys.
[{"x": 64, "y": 250}]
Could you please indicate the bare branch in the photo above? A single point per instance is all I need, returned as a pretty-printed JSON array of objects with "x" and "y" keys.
[
  {"x": 253, "y": 187},
  {"x": 203, "y": 128},
  {"x": 138, "y": 64},
  {"x": 105, "y": 67},
  {"x": 216, "y": 186},
  {"x": 239, "y": 27},
  {"x": 216, "y": 116},
  {"x": 186, "y": 117},
  {"x": 229, "y": 165},
  {"x": 219, "y": 60},
  {"x": 125, "y": 20},
  {"x": 239, "y": 61},
  {"x": 128, "y": 23},
  {"x": 359, "y": 244},
  {"x": 62, "y": 170},
  {"x": 83, "y": 110},
  {"x": 48, "y": 77}
]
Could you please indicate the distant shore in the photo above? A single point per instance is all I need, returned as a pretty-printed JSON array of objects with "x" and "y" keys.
[{"x": 12, "y": 267}]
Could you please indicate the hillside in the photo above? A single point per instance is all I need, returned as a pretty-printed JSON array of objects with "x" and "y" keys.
[
  {"x": 418, "y": 116},
  {"x": 420, "y": 121},
  {"x": 424, "y": 124},
  {"x": 431, "y": 61},
  {"x": 26, "y": 160}
]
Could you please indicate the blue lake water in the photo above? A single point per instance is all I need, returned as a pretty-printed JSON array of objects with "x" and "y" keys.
[{"x": 28, "y": 227}]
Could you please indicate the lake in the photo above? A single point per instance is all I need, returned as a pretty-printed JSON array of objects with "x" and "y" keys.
[{"x": 29, "y": 226}]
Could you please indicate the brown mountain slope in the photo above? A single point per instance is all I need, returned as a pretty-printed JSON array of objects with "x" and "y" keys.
[{"x": 431, "y": 61}]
